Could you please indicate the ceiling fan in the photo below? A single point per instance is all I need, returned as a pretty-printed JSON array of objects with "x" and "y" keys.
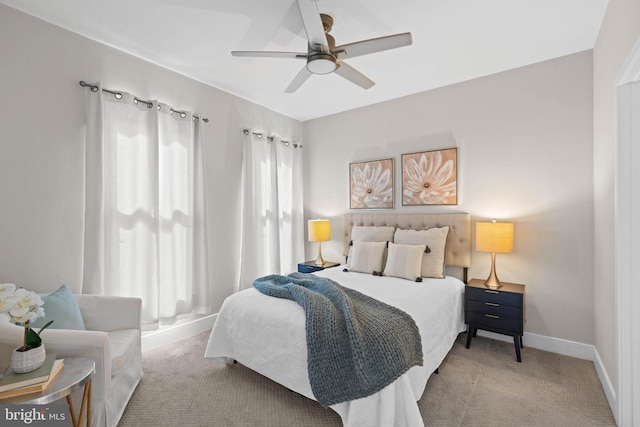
[{"x": 323, "y": 56}]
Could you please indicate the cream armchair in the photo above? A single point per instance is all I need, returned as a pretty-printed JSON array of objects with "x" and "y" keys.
[{"x": 112, "y": 340}]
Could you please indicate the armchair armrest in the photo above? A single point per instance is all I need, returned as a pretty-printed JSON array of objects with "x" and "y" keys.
[
  {"x": 64, "y": 343},
  {"x": 110, "y": 313},
  {"x": 90, "y": 344}
]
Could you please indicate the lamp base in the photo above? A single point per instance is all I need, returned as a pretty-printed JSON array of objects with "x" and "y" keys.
[
  {"x": 492, "y": 284},
  {"x": 492, "y": 281},
  {"x": 319, "y": 260}
]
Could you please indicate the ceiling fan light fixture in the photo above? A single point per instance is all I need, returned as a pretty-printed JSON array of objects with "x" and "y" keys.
[
  {"x": 321, "y": 63},
  {"x": 323, "y": 56}
]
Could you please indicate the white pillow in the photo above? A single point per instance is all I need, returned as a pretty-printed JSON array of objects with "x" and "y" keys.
[
  {"x": 435, "y": 239},
  {"x": 367, "y": 256},
  {"x": 404, "y": 261},
  {"x": 365, "y": 233}
]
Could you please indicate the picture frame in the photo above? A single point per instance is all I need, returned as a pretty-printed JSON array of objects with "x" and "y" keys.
[
  {"x": 430, "y": 178},
  {"x": 371, "y": 184}
]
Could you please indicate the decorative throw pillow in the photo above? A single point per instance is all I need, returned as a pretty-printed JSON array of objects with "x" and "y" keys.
[
  {"x": 404, "y": 261},
  {"x": 435, "y": 239},
  {"x": 367, "y": 256},
  {"x": 365, "y": 233},
  {"x": 61, "y": 307}
]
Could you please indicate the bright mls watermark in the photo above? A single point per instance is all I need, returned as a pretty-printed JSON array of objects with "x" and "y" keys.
[{"x": 35, "y": 415}]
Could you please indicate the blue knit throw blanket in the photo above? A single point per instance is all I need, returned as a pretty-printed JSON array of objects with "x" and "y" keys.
[{"x": 356, "y": 345}]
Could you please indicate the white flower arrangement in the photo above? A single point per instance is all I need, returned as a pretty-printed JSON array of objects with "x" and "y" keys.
[{"x": 24, "y": 307}]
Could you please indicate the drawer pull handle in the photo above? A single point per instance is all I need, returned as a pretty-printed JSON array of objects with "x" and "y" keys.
[
  {"x": 492, "y": 304},
  {"x": 492, "y": 292},
  {"x": 492, "y": 316}
]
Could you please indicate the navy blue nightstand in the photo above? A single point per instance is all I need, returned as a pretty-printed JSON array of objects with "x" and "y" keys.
[
  {"x": 310, "y": 266},
  {"x": 497, "y": 310}
]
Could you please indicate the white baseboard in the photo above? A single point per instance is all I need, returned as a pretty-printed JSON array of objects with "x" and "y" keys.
[
  {"x": 566, "y": 348},
  {"x": 609, "y": 390},
  {"x": 169, "y": 334},
  {"x": 554, "y": 345}
]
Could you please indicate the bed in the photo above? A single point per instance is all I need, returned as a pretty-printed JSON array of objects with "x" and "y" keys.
[{"x": 267, "y": 334}]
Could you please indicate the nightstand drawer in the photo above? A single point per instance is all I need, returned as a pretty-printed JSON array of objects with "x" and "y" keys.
[
  {"x": 492, "y": 321},
  {"x": 495, "y": 309},
  {"x": 494, "y": 296}
]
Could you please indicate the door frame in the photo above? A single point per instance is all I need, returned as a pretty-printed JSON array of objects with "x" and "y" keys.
[{"x": 627, "y": 239}]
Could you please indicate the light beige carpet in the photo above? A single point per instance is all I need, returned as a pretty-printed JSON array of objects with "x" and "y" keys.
[{"x": 481, "y": 386}]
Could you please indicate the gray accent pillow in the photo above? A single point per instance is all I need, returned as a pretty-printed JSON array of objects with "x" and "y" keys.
[
  {"x": 367, "y": 256},
  {"x": 366, "y": 233},
  {"x": 404, "y": 261},
  {"x": 436, "y": 239}
]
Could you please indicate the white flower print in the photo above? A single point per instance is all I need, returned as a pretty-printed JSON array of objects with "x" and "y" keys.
[
  {"x": 428, "y": 181},
  {"x": 371, "y": 186}
]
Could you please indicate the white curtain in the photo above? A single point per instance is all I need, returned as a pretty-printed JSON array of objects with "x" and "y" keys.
[
  {"x": 145, "y": 232},
  {"x": 272, "y": 216}
]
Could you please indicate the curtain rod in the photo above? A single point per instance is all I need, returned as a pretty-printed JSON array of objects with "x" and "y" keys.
[
  {"x": 118, "y": 95},
  {"x": 270, "y": 138}
]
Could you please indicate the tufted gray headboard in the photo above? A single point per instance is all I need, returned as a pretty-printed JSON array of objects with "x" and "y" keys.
[{"x": 458, "y": 249}]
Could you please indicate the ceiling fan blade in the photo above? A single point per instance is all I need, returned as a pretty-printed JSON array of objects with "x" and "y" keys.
[
  {"x": 312, "y": 24},
  {"x": 365, "y": 47},
  {"x": 297, "y": 81},
  {"x": 354, "y": 76},
  {"x": 268, "y": 54}
]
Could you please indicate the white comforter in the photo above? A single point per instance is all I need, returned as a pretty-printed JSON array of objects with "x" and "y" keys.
[{"x": 267, "y": 335}]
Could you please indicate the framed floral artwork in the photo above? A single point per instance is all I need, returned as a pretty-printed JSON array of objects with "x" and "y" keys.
[
  {"x": 430, "y": 178},
  {"x": 371, "y": 184}
]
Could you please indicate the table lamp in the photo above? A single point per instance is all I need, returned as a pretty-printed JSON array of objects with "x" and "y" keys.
[
  {"x": 497, "y": 238},
  {"x": 319, "y": 231}
]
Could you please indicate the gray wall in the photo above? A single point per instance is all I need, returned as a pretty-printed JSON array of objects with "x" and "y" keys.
[
  {"x": 620, "y": 30},
  {"x": 525, "y": 155},
  {"x": 42, "y": 149}
]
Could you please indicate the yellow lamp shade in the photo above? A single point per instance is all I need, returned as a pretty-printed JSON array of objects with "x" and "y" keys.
[
  {"x": 495, "y": 237},
  {"x": 319, "y": 230}
]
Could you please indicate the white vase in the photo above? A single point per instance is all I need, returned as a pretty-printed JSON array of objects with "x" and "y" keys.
[{"x": 27, "y": 361}]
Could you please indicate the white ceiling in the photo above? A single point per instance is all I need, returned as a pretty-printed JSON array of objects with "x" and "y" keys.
[{"x": 453, "y": 41}]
